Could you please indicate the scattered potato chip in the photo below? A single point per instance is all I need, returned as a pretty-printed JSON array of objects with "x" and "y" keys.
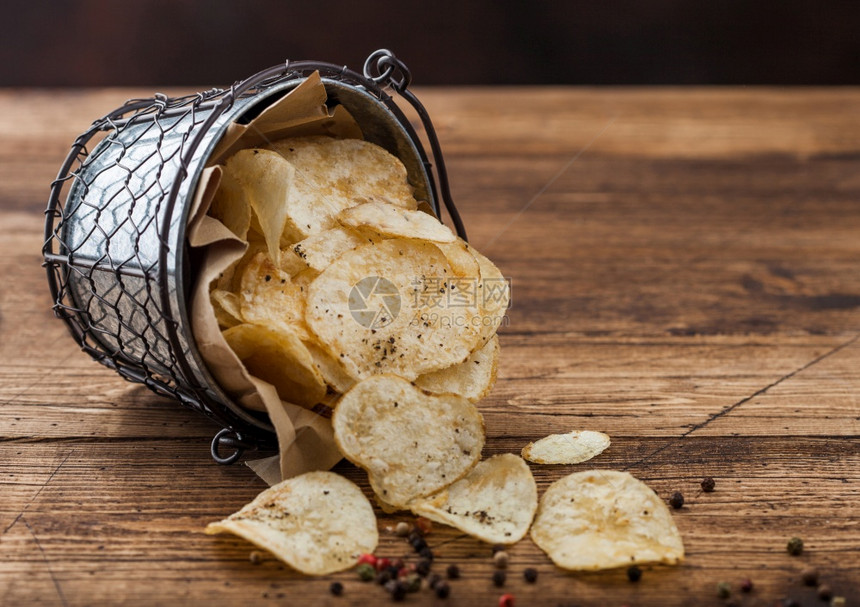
[
  {"x": 410, "y": 443},
  {"x": 495, "y": 502},
  {"x": 280, "y": 358},
  {"x": 571, "y": 448},
  {"x": 334, "y": 174},
  {"x": 317, "y": 523},
  {"x": 267, "y": 180},
  {"x": 382, "y": 308},
  {"x": 318, "y": 251},
  {"x": 380, "y": 218},
  {"x": 472, "y": 379},
  {"x": 600, "y": 519},
  {"x": 270, "y": 297}
]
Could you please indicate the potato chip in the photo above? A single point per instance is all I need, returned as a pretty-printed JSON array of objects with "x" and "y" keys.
[
  {"x": 280, "y": 358},
  {"x": 267, "y": 180},
  {"x": 334, "y": 174},
  {"x": 463, "y": 262},
  {"x": 318, "y": 523},
  {"x": 600, "y": 519},
  {"x": 472, "y": 379},
  {"x": 495, "y": 502},
  {"x": 230, "y": 205},
  {"x": 382, "y": 308},
  {"x": 494, "y": 295},
  {"x": 571, "y": 448},
  {"x": 380, "y": 218},
  {"x": 331, "y": 370},
  {"x": 227, "y": 308},
  {"x": 270, "y": 297},
  {"x": 411, "y": 443},
  {"x": 318, "y": 251}
]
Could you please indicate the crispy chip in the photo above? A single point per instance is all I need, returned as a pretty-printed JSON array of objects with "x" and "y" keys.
[
  {"x": 381, "y": 308},
  {"x": 230, "y": 205},
  {"x": 228, "y": 310},
  {"x": 270, "y": 297},
  {"x": 380, "y": 218},
  {"x": 317, "y": 523},
  {"x": 318, "y": 251},
  {"x": 472, "y": 379},
  {"x": 280, "y": 358},
  {"x": 495, "y": 502},
  {"x": 600, "y": 519},
  {"x": 267, "y": 180},
  {"x": 571, "y": 448},
  {"x": 411, "y": 444},
  {"x": 334, "y": 174},
  {"x": 494, "y": 295}
]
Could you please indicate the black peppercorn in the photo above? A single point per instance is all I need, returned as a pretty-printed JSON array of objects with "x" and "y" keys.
[
  {"x": 442, "y": 590},
  {"x": 336, "y": 588},
  {"x": 809, "y": 576},
  {"x": 824, "y": 592},
  {"x": 530, "y": 575},
  {"x": 634, "y": 574},
  {"x": 423, "y": 567},
  {"x": 499, "y": 578},
  {"x": 426, "y": 553},
  {"x": 434, "y": 580},
  {"x": 453, "y": 572},
  {"x": 746, "y": 585},
  {"x": 419, "y": 544},
  {"x": 708, "y": 484},
  {"x": 397, "y": 589},
  {"x": 677, "y": 500},
  {"x": 794, "y": 546},
  {"x": 383, "y": 577}
]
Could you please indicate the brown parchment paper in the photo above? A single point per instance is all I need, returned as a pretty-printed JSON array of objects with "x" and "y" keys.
[{"x": 305, "y": 438}]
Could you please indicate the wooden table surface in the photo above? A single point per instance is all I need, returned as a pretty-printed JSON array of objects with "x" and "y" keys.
[{"x": 686, "y": 277}]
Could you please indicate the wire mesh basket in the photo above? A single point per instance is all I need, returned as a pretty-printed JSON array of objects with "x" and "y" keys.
[{"x": 119, "y": 269}]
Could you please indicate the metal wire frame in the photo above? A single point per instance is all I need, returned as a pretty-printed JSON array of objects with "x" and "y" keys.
[{"x": 179, "y": 383}]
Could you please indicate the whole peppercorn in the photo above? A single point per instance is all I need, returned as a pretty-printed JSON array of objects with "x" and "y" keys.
[
  {"x": 368, "y": 559},
  {"x": 708, "y": 484},
  {"x": 402, "y": 529},
  {"x": 336, "y": 588},
  {"x": 382, "y": 564},
  {"x": 383, "y": 577},
  {"x": 506, "y": 600},
  {"x": 419, "y": 544},
  {"x": 426, "y": 553},
  {"x": 795, "y": 546},
  {"x": 634, "y": 574},
  {"x": 256, "y": 557},
  {"x": 677, "y": 500},
  {"x": 499, "y": 578},
  {"x": 809, "y": 576},
  {"x": 500, "y": 559},
  {"x": 746, "y": 585},
  {"x": 413, "y": 582},
  {"x": 824, "y": 592},
  {"x": 498, "y": 547},
  {"x": 424, "y": 525},
  {"x": 413, "y": 535},
  {"x": 394, "y": 572},
  {"x": 397, "y": 589},
  {"x": 453, "y": 572},
  {"x": 365, "y": 572},
  {"x": 724, "y": 589},
  {"x": 442, "y": 590},
  {"x": 530, "y": 575},
  {"x": 433, "y": 580},
  {"x": 423, "y": 567}
]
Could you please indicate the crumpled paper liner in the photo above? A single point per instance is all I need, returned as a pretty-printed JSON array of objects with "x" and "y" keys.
[{"x": 305, "y": 438}]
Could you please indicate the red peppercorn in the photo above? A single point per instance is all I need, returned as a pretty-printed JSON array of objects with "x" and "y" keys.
[
  {"x": 506, "y": 600},
  {"x": 367, "y": 558},
  {"x": 424, "y": 525},
  {"x": 382, "y": 564}
]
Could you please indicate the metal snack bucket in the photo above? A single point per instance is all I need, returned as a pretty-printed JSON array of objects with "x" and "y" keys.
[{"x": 119, "y": 268}]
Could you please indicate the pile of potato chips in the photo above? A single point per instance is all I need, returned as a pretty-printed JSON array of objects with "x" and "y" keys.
[{"x": 351, "y": 296}]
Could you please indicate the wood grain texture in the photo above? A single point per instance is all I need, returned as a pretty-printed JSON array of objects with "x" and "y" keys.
[{"x": 686, "y": 277}]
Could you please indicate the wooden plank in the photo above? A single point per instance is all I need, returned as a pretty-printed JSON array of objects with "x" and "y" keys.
[{"x": 684, "y": 278}]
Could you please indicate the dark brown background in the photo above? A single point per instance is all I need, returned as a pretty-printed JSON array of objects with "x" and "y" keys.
[{"x": 196, "y": 42}]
